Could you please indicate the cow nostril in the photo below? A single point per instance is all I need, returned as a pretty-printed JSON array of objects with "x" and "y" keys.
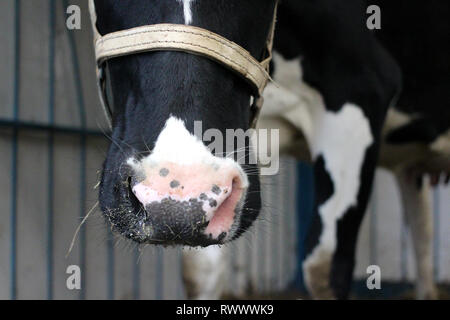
[
  {"x": 236, "y": 183},
  {"x": 132, "y": 197},
  {"x": 223, "y": 217},
  {"x": 129, "y": 185}
]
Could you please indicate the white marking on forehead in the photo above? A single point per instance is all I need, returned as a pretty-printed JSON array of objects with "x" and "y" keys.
[{"x": 187, "y": 10}]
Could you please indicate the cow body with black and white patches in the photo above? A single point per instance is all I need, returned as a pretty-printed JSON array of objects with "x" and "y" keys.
[{"x": 337, "y": 82}]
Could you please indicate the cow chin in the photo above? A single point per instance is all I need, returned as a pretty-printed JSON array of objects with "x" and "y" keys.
[{"x": 180, "y": 194}]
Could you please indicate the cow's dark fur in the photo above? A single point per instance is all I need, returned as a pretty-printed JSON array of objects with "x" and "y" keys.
[{"x": 417, "y": 34}]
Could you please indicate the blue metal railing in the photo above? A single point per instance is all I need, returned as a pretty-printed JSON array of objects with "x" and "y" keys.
[
  {"x": 305, "y": 206},
  {"x": 110, "y": 267},
  {"x": 83, "y": 141},
  {"x": 14, "y": 151},
  {"x": 50, "y": 145}
]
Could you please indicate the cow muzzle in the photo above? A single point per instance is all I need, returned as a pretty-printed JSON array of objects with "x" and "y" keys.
[{"x": 196, "y": 205}]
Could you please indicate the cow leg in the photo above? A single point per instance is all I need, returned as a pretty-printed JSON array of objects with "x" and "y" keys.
[
  {"x": 345, "y": 153},
  {"x": 344, "y": 140},
  {"x": 204, "y": 272},
  {"x": 415, "y": 193}
]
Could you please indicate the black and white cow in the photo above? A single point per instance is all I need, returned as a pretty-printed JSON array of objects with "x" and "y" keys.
[
  {"x": 162, "y": 185},
  {"x": 335, "y": 80},
  {"x": 348, "y": 80}
]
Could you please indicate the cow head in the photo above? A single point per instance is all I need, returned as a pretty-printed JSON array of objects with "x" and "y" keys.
[{"x": 160, "y": 182}]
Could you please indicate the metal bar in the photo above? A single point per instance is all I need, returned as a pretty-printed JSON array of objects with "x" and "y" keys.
[
  {"x": 233, "y": 263},
  {"x": 262, "y": 244},
  {"x": 305, "y": 213},
  {"x": 181, "y": 295},
  {"x": 159, "y": 274},
  {"x": 136, "y": 275},
  {"x": 14, "y": 151},
  {"x": 13, "y": 218},
  {"x": 32, "y": 126},
  {"x": 288, "y": 200},
  {"x": 83, "y": 212},
  {"x": 276, "y": 207},
  {"x": 83, "y": 142},
  {"x": 291, "y": 225},
  {"x": 110, "y": 266},
  {"x": 373, "y": 254},
  {"x": 288, "y": 209},
  {"x": 51, "y": 119},
  {"x": 286, "y": 238},
  {"x": 404, "y": 251},
  {"x": 436, "y": 233},
  {"x": 110, "y": 290}
]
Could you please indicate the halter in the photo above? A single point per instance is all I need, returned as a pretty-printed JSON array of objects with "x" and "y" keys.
[{"x": 177, "y": 37}]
